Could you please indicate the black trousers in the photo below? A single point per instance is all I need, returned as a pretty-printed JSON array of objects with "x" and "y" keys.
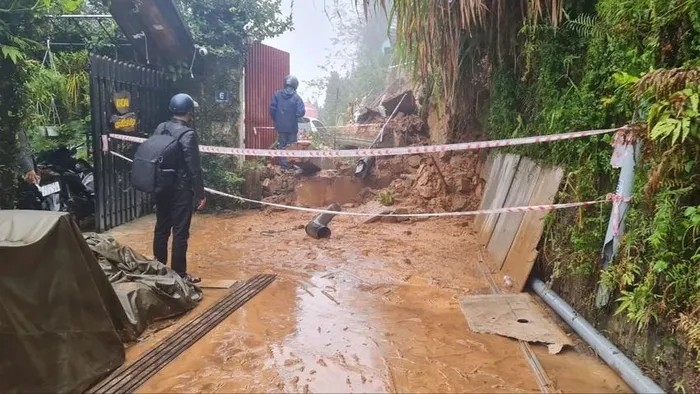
[{"x": 173, "y": 214}]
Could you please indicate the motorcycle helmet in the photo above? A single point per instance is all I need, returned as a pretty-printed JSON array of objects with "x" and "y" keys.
[
  {"x": 291, "y": 81},
  {"x": 182, "y": 104}
]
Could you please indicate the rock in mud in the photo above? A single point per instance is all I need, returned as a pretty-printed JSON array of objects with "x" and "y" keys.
[
  {"x": 427, "y": 191},
  {"x": 396, "y": 219},
  {"x": 414, "y": 161},
  {"x": 465, "y": 185},
  {"x": 459, "y": 202},
  {"x": 375, "y": 208}
]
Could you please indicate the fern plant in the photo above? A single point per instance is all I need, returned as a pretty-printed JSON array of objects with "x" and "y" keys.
[
  {"x": 689, "y": 324},
  {"x": 586, "y": 25},
  {"x": 677, "y": 117}
]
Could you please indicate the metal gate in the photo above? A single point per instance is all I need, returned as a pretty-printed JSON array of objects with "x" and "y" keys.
[
  {"x": 125, "y": 99},
  {"x": 265, "y": 70}
]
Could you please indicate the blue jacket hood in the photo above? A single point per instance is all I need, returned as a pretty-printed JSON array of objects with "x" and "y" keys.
[
  {"x": 288, "y": 92},
  {"x": 285, "y": 108}
]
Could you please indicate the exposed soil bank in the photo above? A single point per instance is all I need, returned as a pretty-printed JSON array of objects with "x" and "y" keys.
[
  {"x": 373, "y": 309},
  {"x": 658, "y": 351}
]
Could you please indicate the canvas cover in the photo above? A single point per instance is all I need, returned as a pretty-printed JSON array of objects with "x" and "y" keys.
[
  {"x": 68, "y": 301},
  {"x": 56, "y": 331},
  {"x": 147, "y": 290}
]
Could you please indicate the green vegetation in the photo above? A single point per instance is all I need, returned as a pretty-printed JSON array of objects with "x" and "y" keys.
[
  {"x": 21, "y": 22},
  {"x": 541, "y": 67},
  {"x": 450, "y": 44},
  {"x": 57, "y": 96},
  {"x": 623, "y": 61},
  {"x": 35, "y": 94},
  {"x": 385, "y": 198}
]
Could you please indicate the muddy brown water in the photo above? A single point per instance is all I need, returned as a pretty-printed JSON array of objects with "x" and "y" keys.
[{"x": 373, "y": 309}]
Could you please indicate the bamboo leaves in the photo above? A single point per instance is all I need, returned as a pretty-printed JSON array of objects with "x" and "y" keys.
[{"x": 433, "y": 33}]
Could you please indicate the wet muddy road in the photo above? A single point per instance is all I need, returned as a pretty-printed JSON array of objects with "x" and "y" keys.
[{"x": 373, "y": 309}]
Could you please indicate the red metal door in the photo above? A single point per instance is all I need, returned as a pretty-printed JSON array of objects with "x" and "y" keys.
[{"x": 265, "y": 70}]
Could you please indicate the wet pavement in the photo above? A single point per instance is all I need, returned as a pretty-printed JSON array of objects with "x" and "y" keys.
[{"x": 373, "y": 309}]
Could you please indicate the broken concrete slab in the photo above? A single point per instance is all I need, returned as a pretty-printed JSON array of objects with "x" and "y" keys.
[
  {"x": 514, "y": 316},
  {"x": 396, "y": 219},
  {"x": 405, "y": 101}
]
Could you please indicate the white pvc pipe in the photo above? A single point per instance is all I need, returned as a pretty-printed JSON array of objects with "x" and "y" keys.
[{"x": 627, "y": 370}]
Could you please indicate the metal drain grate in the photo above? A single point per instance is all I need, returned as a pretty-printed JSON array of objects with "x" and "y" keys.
[{"x": 128, "y": 379}]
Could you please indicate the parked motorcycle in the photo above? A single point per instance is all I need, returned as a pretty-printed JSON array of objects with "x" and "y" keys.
[{"x": 66, "y": 185}]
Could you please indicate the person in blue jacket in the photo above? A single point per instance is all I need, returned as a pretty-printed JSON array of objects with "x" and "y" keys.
[{"x": 286, "y": 107}]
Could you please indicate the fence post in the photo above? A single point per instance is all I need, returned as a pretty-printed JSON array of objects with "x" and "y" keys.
[{"x": 625, "y": 155}]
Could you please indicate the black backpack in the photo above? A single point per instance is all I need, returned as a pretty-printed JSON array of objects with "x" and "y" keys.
[{"x": 156, "y": 160}]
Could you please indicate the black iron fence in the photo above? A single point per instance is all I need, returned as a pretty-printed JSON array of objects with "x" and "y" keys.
[{"x": 126, "y": 99}]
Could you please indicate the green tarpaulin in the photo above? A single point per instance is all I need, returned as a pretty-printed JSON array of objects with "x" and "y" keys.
[
  {"x": 64, "y": 313},
  {"x": 56, "y": 307},
  {"x": 148, "y": 290}
]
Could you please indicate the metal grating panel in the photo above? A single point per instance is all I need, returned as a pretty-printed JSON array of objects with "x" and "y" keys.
[{"x": 131, "y": 377}]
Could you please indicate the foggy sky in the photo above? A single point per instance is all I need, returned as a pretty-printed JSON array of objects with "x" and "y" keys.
[{"x": 309, "y": 42}]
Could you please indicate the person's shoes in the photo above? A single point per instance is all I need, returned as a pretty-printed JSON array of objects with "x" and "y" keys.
[{"x": 190, "y": 278}]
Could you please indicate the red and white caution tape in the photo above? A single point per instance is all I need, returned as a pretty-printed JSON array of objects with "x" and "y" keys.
[
  {"x": 531, "y": 208},
  {"x": 521, "y": 209},
  {"x": 616, "y": 199},
  {"x": 121, "y": 156},
  {"x": 411, "y": 150},
  {"x": 348, "y": 126}
]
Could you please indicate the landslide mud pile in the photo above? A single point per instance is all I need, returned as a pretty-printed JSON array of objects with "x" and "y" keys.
[
  {"x": 417, "y": 183},
  {"x": 408, "y": 130},
  {"x": 278, "y": 186},
  {"x": 450, "y": 182}
]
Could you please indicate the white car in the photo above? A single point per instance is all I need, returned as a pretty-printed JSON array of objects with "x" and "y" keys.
[
  {"x": 312, "y": 130},
  {"x": 308, "y": 127}
]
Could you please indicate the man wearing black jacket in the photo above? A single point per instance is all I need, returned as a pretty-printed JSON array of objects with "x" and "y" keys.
[{"x": 174, "y": 209}]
